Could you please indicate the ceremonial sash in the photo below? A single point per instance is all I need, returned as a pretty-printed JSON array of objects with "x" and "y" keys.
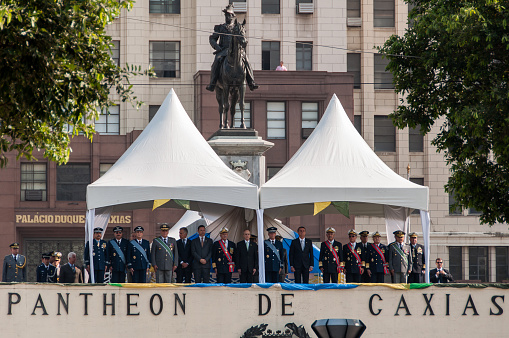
[
  {"x": 120, "y": 254},
  {"x": 273, "y": 248},
  {"x": 165, "y": 246},
  {"x": 139, "y": 247},
  {"x": 357, "y": 257},
  {"x": 401, "y": 253},
  {"x": 231, "y": 264},
  {"x": 335, "y": 254},
  {"x": 386, "y": 269}
]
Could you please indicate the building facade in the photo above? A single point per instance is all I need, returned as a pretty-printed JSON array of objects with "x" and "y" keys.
[{"x": 328, "y": 47}]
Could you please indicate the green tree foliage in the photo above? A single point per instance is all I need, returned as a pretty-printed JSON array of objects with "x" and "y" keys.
[
  {"x": 452, "y": 66},
  {"x": 56, "y": 71}
]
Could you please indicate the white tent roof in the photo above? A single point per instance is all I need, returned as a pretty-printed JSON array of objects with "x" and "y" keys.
[
  {"x": 336, "y": 164},
  {"x": 170, "y": 160}
]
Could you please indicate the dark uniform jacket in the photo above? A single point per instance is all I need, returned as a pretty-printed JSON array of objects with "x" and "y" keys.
[
  {"x": 100, "y": 254},
  {"x": 418, "y": 258},
  {"x": 447, "y": 278},
  {"x": 374, "y": 262},
  {"x": 67, "y": 275},
  {"x": 272, "y": 263},
  {"x": 396, "y": 262},
  {"x": 247, "y": 260},
  {"x": 220, "y": 39},
  {"x": 327, "y": 261},
  {"x": 14, "y": 270},
  {"x": 135, "y": 258},
  {"x": 219, "y": 260},
  {"x": 184, "y": 252},
  {"x": 114, "y": 261},
  {"x": 301, "y": 259},
  {"x": 46, "y": 275},
  {"x": 351, "y": 264}
]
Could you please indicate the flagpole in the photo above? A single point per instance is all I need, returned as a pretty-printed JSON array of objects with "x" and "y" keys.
[{"x": 408, "y": 179}]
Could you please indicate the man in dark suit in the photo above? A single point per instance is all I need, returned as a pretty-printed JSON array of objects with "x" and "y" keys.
[
  {"x": 377, "y": 265},
  {"x": 69, "y": 273},
  {"x": 224, "y": 253},
  {"x": 184, "y": 269},
  {"x": 364, "y": 245},
  {"x": 100, "y": 254},
  {"x": 440, "y": 275},
  {"x": 273, "y": 256},
  {"x": 138, "y": 253},
  {"x": 117, "y": 256},
  {"x": 46, "y": 273},
  {"x": 301, "y": 257},
  {"x": 331, "y": 257},
  {"x": 354, "y": 260},
  {"x": 417, "y": 271},
  {"x": 201, "y": 249},
  {"x": 247, "y": 258}
]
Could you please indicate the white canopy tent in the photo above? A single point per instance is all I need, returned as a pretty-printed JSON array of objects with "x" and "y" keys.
[
  {"x": 169, "y": 160},
  {"x": 335, "y": 164}
]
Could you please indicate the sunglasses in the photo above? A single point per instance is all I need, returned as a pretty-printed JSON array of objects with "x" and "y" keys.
[{"x": 439, "y": 262}]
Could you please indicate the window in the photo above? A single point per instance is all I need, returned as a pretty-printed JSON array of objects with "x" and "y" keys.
[
  {"x": 385, "y": 134},
  {"x": 502, "y": 254},
  {"x": 415, "y": 140},
  {"x": 270, "y": 6},
  {"x": 304, "y": 55},
  {"x": 164, "y": 6},
  {"x": 272, "y": 171},
  {"x": 478, "y": 263},
  {"x": 474, "y": 211},
  {"x": 152, "y": 110},
  {"x": 456, "y": 262},
  {"x": 103, "y": 168},
  {"x": 247, "y": 115},
  {"x": 419, "y": 181},
  {"x": 109, "y": 123},
  {"x": 383, "y": 78},
  {"x": 453, "y": 210},
  {"x": 411, "y": 6},
  {"x": 276, "y": 123},
  {"x": 353, "y": 8},
  {"x": 72, "y": 181},
  {"x": 309, "y": 118},
  {"x": 383, "y": 13},
  {"x": 165, "y": 58},
  {"x": 33, "y": 181},
  {"x": 270, "y": 55},
  {"x": 353, "y": 65},
  {"x": 357, "y": 123},
  {"x": 115, "y": 52}
]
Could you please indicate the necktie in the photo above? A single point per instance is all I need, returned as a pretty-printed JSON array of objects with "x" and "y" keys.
[
  {"x": 247, "y": 245},
  {"x": 73, "y": 269},
  {"x": 302, "y": 243},
  {"x": 166, "y": 241},
  {"x": 118, "y": 242},
  {"x": 201, "y": 241},
  {"x": 184, "y": 241},
  {"x": 272, "y": 242}
]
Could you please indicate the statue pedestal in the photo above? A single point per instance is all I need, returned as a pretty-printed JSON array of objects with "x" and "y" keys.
[{"x": 242, "y": 150}]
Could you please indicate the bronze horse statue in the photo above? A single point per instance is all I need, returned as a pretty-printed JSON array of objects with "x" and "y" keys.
[{"x": 231, "y": 84}]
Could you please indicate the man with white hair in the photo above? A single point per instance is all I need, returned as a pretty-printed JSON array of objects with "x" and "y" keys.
[{"x": 70, "y": 273}]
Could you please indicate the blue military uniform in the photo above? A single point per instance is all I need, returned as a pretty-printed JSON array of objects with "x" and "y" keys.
[
  {"x": 100, "y": 254},
  {"x": 376, "y": 263},
  {"x": 46, "y": 273},
  {"x": 117, "y": 258},
  {"x": 273, "y": 263},
  {"x": 137, "y": 260}
]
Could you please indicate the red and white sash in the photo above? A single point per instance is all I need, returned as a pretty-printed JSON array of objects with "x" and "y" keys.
[
  {"x": 386, "y": 269},
  {"x": 335, "y": 254},
  {"x": 231, "y": 264},
  {"x": 357, "y": 257}
]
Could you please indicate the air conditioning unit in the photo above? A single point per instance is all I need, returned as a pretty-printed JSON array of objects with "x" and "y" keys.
[
  {"x": 354, "y": 22},
  {"x": 305, "y": 8},
  {"x": 33, "y": 195},
  {"x": 240, "y": 7}
]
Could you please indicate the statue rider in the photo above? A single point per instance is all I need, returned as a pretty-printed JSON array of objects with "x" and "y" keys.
[{"x": 221, "y": 33}]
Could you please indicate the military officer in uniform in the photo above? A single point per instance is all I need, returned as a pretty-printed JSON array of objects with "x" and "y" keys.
[
  {"x": 417, "y": 271},
  {"x": 400, "y": 258},
  {"x": 376, "y": 260},
  {"x": 330, "y": 261},
  {"x": 99, "y": 253},
  {"x": 117, "y": 256},
  {"x": 365, "y": 278},
  {"x": 354, "y": 259},
  {"x": 273, "y": 259},
  {"x": 224, "y": 253},
  {"x": 223, "y": 33},
  {"x": 56, "y": 263},
  {"x": 46, "y": 272},
  {"x": 138, "y": 253},
  {"x": 164, "y": 255},
  {"x": 14, "y": 268}
]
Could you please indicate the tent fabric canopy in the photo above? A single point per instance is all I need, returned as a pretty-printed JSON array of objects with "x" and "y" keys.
[
  {"x": 336, "y": 164},
  {"x": 170, "y": 160}
]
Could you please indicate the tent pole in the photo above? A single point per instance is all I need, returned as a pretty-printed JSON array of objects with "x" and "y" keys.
[
  {"x": 89, "y": 237},
  {"x": 425, "y": 221},
  {"x": 261, "y": 246}
]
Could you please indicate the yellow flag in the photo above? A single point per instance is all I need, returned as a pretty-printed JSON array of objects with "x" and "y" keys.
[
  {"x": 319, "y": 206},
  {"x": 158, "y": 203}
]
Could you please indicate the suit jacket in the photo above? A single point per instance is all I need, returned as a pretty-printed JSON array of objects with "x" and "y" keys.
[
  {"x": 219, "y": 259},
  {"x": 351, "y": 263},
  {"x": 247, "y": 260},
  {"x": 135, "y": 258},
  {"x": 14, "y": 270},
  {"x": 160, "y": 256},
  {"x": 396, "y": 262},
  {"x": 69, "y": 276},
  {"x": 100, "y": 254},
  {"x": 46, "y": 275},
  {"x": 375, "y": 262},
  {"x": 272, "y": 263},
  {"x": 418, "y": 258},
  {"x": 327, "y": 261},
  {"x": 200, "y": 252},
  {"x": 301, "y": 259},
  {"x": 114, "y": 260},
  {"x": 184, "y": 252},
  {"x": 447, "y": 278}
]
